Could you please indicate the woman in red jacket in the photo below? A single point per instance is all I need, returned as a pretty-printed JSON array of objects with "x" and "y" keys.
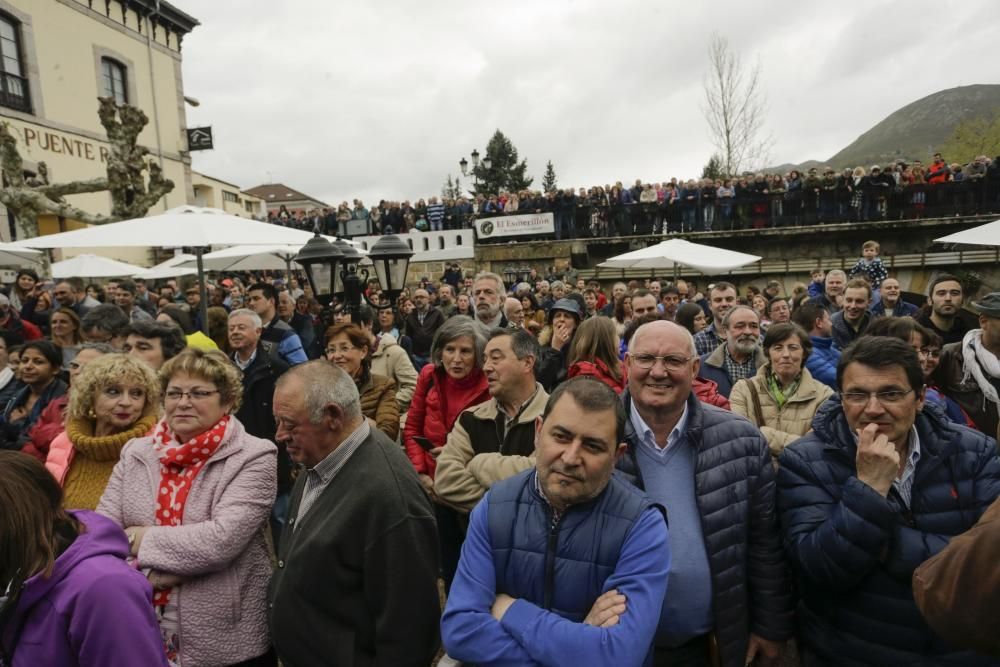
[{"x": 452, "y": 382}]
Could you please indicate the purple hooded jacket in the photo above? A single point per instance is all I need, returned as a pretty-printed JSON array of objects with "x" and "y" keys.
[{"x": 93, "y": 610}]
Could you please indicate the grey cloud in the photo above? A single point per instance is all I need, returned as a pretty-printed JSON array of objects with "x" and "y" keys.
[{"x": 380, "y": 99}]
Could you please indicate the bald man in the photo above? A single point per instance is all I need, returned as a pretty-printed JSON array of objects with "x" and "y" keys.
[
  {"x": 672, "y": 438},
  {"x": 514, "y": 312}
]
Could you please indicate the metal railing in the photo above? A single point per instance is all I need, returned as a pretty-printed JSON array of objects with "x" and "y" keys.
[{"x": 14, "y": 92}]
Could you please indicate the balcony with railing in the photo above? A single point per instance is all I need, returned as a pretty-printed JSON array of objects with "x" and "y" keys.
[{"x": 14, "y": 92}]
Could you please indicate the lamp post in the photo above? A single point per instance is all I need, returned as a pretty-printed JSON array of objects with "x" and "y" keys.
[
  {"x": 463, "y": 164},
  {"x": 321, "y": 259},
  {"x": 509, "y": 276},
  {"x": 524, "y": 274}
]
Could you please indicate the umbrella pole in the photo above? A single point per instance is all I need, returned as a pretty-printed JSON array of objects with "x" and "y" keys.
[{"x": 201, "y": 290}]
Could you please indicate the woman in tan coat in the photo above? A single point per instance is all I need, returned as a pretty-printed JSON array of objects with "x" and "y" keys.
[
  {"x": 783, "y": 397},
  {"x": 349, "y": 347}
]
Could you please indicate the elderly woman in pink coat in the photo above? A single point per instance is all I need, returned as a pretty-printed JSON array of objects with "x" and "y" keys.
[{"x": 194, "y": 499}]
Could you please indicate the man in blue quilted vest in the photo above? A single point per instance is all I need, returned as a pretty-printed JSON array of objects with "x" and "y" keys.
[{"x": 565, "y": 563}]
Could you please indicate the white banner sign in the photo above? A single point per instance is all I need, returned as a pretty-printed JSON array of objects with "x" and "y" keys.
[{"x": 531, "y": 224}]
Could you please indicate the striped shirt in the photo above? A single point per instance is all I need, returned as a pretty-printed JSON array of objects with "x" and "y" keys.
[
  {"x": 319, "y": 476},
  {"x": 904, "y": 483},
  {"x": 435, "y": 213}
]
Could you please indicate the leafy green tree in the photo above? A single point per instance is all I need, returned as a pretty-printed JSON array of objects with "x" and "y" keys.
[
  {"x": 713, "y": 169},
  {"x": 972, "y": 138},
  {"x": 505, "y": 172},
  {"x": 549, "y": 179}
]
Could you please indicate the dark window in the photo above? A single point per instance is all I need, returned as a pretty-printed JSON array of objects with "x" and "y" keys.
[
  {"x": 115, "y": 78},
  {"x": 13, "y": 85},
  {"x": 230, "y": 196}
]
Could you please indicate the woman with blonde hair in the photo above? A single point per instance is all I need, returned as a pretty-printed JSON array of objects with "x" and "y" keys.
[
  {"x": 194, "y": 498},
  {"x": 594, "y": 352},
  {"x": 115, "y": 399},
  {"x": 856, "y": 187}
]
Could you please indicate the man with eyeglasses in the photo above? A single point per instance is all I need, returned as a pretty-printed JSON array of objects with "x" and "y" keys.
[
  {"x": 881, "y": 484},
  {"x": 740, "y": 355},
  {"x": 728, "y": 597}
]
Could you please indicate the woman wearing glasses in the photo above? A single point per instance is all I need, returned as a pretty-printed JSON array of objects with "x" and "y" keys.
[
  {"x": 193, "y": 498},
  {"x": 783, "y": 397},
  {"x": 348, "y": 346}
]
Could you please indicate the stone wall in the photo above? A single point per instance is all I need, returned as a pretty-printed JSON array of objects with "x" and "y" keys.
[{"x": 788, "y": 254}]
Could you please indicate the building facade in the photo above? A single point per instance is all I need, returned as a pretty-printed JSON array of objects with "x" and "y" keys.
[
  {"x": 278, "y": 196},
  {"x": 58, "y": 57},
  {"x": 212, "y": 192}
]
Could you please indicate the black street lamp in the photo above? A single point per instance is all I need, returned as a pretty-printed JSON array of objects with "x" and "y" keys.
[
  {"x": 509, "y": 276},
  {"x": 319, "y": 258},
  {"x": 463, "y": 164},
  {"x": 391, "y": 257},
  {"x": 322, "y": 259}
]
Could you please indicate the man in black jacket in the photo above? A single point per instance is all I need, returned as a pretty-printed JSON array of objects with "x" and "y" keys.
[
  {"x": 261, "y": 366},
  {"x": 421, "y": 325},
  {"x": 728, "y": 590},
  {"x": 356, "y": 577}
]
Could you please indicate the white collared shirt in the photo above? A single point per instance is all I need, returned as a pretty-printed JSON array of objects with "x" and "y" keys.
[{"x": 646, "y": 435}]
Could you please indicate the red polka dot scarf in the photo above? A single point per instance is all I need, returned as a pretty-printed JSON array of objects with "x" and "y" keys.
[{"x": 179, "y": 465}]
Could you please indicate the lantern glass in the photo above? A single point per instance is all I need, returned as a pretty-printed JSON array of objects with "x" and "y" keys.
[
  {"x": 319, "y": 277},
  {"x": 391, "y": 259}
]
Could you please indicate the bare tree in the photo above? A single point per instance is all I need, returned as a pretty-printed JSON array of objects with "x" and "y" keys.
[
  {"x": 734, "y": 108},
  {"x": 132, "y": 192}
]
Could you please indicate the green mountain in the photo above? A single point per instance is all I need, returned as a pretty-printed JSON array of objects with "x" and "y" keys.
[{"x": 915, "y": 131}]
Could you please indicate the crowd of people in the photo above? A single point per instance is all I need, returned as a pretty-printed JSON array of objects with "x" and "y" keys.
[
  {"x": 898, "y": 190},
  {"x": 546, "y": 473}
]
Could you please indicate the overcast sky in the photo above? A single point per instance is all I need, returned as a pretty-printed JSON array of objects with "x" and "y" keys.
[{"x": 379, "y": 100}]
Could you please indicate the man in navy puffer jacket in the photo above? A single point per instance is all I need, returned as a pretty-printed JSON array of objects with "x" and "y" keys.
[
  {"x": 880, "y": 485},
  {"x": 728, "y": 589}
]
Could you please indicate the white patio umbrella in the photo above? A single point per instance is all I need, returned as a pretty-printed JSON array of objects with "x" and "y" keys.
[
  {"x": 193, "y": 226},
  {"x": 256, "y": 258},
  {"x": 251, "y": 258},
  {"x": 169, "y": 269},
  {"x": 12, "y": 255},
  {"x": 988, "y": 234},
  {"x": 678, "y": 252},
  {"x": 93, "y": 266}
]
